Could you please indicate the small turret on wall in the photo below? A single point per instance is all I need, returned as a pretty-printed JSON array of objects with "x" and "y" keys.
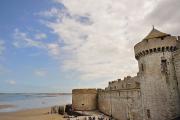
[{"x": 84, "y": 99}]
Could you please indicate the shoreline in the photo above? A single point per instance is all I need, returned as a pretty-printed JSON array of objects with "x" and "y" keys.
[
  {"x": 31, "y": 114},
  {"x": 4, "y": 106}
]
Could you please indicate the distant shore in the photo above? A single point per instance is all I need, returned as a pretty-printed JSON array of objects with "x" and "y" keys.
[
  {"x": 6, "y": 106},
  {"x": 30, "y": 114}
]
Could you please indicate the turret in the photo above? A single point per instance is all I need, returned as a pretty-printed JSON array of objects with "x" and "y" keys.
[
  {"x": 160, "y": 97},
  {"x": 156, "y": 41}
]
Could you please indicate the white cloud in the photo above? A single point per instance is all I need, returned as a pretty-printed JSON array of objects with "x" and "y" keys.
[
  {"x": 54, "y": 49},
  {"x": 22, "y": 39},
  {"x": 166, "y": 15},
  {"x": 99, "y": 36},
  {"x": 40, "y": 72},
  {"x": 40, "y": 36},
  {"x": 49, "y": 13},
  {"x": 11, "y": 82}
]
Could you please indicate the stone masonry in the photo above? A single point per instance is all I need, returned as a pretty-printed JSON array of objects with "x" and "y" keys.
[{"x": 84, "y": 99}]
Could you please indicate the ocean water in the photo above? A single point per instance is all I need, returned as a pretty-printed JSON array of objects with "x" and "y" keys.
[{"x": 29, "y": 101}]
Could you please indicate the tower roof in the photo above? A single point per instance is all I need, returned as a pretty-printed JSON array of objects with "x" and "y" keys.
[{"x": 155, "y": 34}]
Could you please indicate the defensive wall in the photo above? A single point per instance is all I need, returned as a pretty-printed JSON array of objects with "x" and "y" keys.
[
  {"x": 84, "y": 99},
  {"x": 121, "y": 99}
]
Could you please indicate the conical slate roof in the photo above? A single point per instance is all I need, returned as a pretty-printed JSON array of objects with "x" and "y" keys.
[{"x": 155, "y": 34}]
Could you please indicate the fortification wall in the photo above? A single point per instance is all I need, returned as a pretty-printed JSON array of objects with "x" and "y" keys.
[
  {"x": 84, "y": 99},
  {"x": 128, "y": 83},
  {"x": 123, "y": 103},
  {"x": 176, "y": 56}
]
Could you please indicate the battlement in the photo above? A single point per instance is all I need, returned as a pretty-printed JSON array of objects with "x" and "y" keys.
[
  {"x": 155, "y": 42},
  {"x": 84, "y": 91},
  {"x": 128, "y": 83}
]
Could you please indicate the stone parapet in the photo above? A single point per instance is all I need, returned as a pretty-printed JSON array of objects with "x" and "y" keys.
[
  {"x": 84, "y": 91},
  {"x": 128, "y": 83},
  {"x": 155, "y": 45}
]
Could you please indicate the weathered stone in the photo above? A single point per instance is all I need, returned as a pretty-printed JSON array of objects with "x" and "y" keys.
[
  {"x": 84, "y": 99},
  {"x": 58, "y": 109},
  {"x": 160, "y": 97},
  {"x": 121, "y": 102}
]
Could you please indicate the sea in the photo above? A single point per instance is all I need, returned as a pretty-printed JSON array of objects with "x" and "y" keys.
[{"x": 23, "y": 101}]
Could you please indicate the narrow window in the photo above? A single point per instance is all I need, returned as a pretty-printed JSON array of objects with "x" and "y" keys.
[
  {"x": 148, "y": 113},
  {"x": 154, "y": 49},
  {"x": 142, "y": 67},
  {"x": 164, "y": 69},
  {"x": 151, "y": 50},
  {"x": 164, "y": 65},
  {"x": 163, "y": 49}
]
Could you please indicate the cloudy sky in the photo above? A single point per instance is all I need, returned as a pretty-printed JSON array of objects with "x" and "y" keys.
[{"x": 57, "y": 45}]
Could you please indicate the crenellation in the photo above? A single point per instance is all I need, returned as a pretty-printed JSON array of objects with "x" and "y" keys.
[{"x": 127, "y": 83}]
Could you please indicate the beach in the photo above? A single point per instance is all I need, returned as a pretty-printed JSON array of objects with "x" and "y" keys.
[
  {"x": 31, "y": 106},
  {"x": 30, "y": 114}
]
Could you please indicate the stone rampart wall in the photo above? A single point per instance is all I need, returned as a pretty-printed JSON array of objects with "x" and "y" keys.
[
  {"x": 121, "y": 104},
  {"x": 128, "y": 83},
  {"x": 84, "y": 99}
]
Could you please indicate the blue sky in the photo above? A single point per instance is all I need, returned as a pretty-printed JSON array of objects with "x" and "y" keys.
[
  {"x": 58, "y": 45},
  {"x": 20, "y": 64}
]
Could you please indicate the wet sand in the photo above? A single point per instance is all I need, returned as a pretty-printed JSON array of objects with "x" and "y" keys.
[{"x": 31, "y": 114}]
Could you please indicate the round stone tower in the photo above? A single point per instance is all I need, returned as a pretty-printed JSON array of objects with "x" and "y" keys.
[
  {"x": 84, "y": 99},
  {"x": 160, "y": 97}
]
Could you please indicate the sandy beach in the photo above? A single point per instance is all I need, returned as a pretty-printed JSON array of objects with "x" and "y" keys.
[{"x": 30, "y": 114}]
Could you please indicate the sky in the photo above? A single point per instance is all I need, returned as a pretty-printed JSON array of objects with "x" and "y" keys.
[{"x": 59, "y": 45}]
